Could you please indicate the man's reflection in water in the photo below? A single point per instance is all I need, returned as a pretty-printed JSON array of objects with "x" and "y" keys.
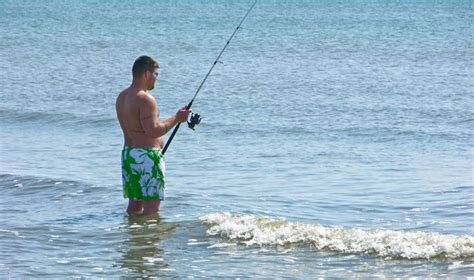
[{"x": 142, "y": 255}]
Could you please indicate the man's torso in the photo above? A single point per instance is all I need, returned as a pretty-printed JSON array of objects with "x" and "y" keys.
[{"x": 128, "y": 113}]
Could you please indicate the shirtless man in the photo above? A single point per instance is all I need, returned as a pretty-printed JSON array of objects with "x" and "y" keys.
[{"x": 143, "y": 165}]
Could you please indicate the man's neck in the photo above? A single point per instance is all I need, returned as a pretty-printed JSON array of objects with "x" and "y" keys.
[{"x": 139, "y": 86}]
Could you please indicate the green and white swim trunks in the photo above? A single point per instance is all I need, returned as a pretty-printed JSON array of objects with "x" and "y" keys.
[{"x": 143, "y": 173}]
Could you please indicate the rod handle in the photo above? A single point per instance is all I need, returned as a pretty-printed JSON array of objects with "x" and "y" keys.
[{"x": 170, "y": 139}]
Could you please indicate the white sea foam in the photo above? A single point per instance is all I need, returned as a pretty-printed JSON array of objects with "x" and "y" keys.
[
  {"x": 16, "y": 233},
  {"x": 419, "y": 210},
  {"x": 252, "y": 230}
]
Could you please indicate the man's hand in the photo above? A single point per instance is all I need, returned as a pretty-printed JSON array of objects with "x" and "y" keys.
[{"x": 182, "y": 114}]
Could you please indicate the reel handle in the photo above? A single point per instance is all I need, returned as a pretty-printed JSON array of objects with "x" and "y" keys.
[{"x": 194, "y": 120}]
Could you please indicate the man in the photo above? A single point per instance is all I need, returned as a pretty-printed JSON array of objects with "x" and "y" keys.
[{"x": 143, "y": 166}]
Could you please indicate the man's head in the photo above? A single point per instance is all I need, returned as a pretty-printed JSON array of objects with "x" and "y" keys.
[{"x": 145, "y": 69}]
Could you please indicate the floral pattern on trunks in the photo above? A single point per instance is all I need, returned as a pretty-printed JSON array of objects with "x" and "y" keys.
[{"x": 143, "y": 173}]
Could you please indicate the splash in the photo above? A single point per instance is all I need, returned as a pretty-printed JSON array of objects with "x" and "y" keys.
[{"x": 261, "y": 231}]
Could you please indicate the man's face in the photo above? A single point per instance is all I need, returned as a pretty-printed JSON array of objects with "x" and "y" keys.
[{"x": 153, "y": 77}]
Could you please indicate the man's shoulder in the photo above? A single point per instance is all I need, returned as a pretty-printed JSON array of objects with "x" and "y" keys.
[
  {"x": 145, "y": 100},
  {"x": 134, "y": 95},
  {"x": 121, "y": 97},
  {"x": 122, "y": 93},
  {"x": 145, "y": 97}
]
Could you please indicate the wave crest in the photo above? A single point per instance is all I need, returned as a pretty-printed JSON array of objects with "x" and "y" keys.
[{"x": 252, "y": 230}]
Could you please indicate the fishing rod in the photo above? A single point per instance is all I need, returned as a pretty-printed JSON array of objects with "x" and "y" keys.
[{"x": 196, "y": 118}]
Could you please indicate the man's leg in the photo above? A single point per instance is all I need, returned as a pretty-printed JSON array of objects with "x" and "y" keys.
[
  {"x": 135, "y": 207},
  {"x": 151, "y": 207}
]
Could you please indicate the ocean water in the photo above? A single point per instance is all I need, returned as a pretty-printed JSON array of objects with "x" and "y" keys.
[{"x": 336, "y": 140}]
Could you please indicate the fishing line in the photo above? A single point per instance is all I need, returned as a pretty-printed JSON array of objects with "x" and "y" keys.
[{"x": 196, "y": 118}]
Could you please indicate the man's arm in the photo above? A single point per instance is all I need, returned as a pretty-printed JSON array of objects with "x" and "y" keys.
[{"x": 149, "y": 118}]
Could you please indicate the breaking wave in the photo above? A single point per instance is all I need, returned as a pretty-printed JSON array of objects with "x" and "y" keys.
[{"x": 261, "y": 231}]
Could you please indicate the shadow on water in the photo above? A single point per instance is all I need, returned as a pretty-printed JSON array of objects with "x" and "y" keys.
[{"x": 141, "y": 252}]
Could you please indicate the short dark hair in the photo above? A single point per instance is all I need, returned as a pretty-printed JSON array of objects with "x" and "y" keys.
[{"x": 142, "y": 64}]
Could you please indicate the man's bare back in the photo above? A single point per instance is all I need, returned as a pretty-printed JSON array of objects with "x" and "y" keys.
[{"x": 133, "y": 107}]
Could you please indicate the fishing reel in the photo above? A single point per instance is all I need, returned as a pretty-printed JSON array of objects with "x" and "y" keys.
[{"x": 194, "y": 120}]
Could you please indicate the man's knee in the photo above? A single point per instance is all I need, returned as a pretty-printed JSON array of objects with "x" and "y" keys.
[
  {"x": 151, "y": 207},
  {"x": 135, "y": 207}
]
